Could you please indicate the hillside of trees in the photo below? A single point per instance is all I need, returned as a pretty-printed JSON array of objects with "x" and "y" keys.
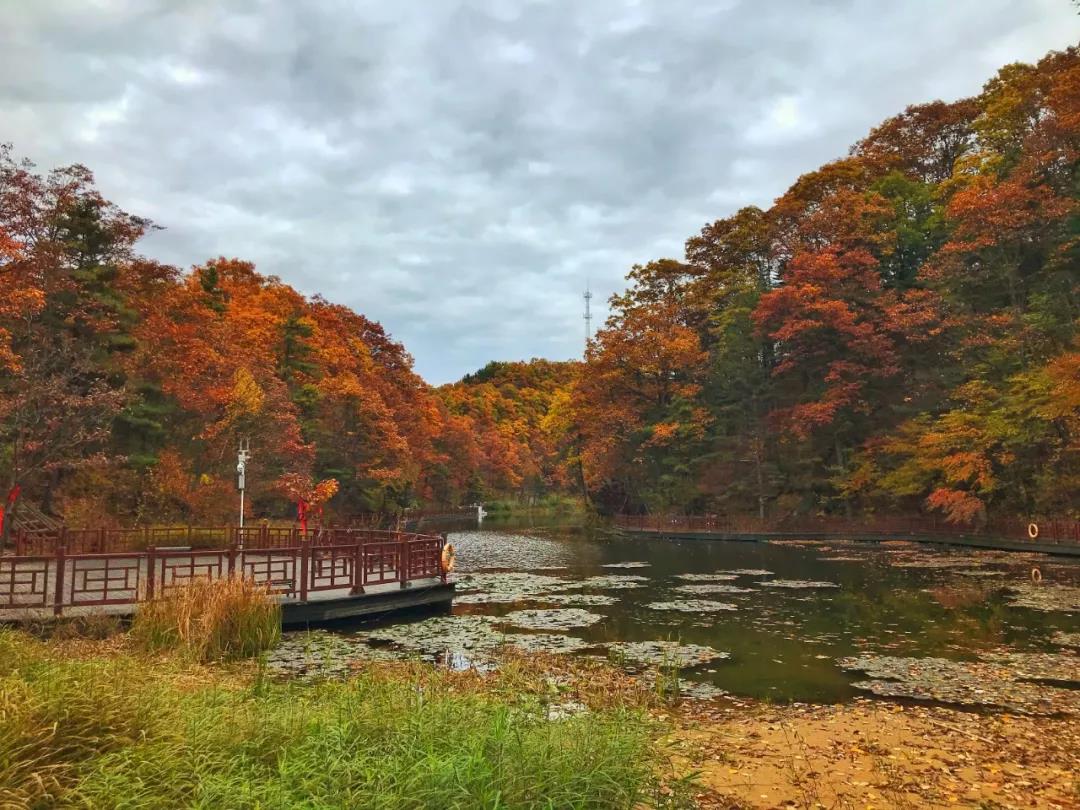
[
  {"x": 126, "y": 385},
  {"x": 897, "y": 333}
]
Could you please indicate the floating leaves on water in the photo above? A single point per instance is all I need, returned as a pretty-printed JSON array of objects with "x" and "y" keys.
[
  {"x": 504, "y": 598},
  {"x": 712, "y": 587},
  {"x": 970, "y": 683},
  {"x": 797, "y": 584},
  {"x": 507, "y": 550},
  {"x": 554, "y": 619},
  {"x": 721, "y": 577},
  {"x": 627, "y": 565},
  {"x": 612, "y": 582},
  {"x": 747, "y": 572},
  {"x": 442, "y": 633},
  {"x": 842, "y": 559},
  {"x": 470, "y": 634},
  {"x": 1045, "y": 596},
  {"x": 1057, "y": 667},
  {"x": 512, "y": 582},
  {"x": 699, "y": 690},
  {"x": 318, "y": 654},
  {"x": 977, "y": 572},
  {"x": 576, "y": 599},
  {"x": 547, "y": 643},
  {"x": 693, "y": 606},
  {"x": 1066, "y": 639},
  {"x": 665, "y": 653},
  {"x": 934, "y": 562}
]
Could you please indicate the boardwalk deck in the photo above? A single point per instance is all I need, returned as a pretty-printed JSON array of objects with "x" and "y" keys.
[{"x": 346, "y": 575}]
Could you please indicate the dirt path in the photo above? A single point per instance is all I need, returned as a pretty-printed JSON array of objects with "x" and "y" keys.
[{"x": 873, "y": 754}]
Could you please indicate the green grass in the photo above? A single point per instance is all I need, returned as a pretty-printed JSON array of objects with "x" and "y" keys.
[{"x": 124, "y": 731}]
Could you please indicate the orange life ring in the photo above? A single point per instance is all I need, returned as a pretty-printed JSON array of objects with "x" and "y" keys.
[
  {"x": 1036, "y": 575},
  {"x": 1033, "y": 530},
  {"x": 448, "y": 558}
]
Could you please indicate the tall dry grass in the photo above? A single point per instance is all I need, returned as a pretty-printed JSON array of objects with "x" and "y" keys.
[{"x": 210, "y": 620}]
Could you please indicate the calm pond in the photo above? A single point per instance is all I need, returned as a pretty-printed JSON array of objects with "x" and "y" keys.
[{"x": 778, "y": 620}]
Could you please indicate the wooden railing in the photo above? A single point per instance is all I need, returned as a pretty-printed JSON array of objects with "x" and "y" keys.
[
  {"x": 294, "y": 565},
  {"x": 1056, "y": 531},
  {"x": 102, "y": 541}
]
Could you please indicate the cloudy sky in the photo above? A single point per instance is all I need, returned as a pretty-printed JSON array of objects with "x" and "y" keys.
[{"x": 458, "y": 169}]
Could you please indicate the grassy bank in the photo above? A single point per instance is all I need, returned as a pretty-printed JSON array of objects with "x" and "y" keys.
[{"x": 111, "y": 727}]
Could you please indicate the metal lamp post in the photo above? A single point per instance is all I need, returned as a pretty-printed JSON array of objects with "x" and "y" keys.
[{"x": 241, "y": 469}]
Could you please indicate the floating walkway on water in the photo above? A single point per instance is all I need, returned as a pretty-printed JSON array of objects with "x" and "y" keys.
[
  {"x": 1061, "y": 537},
  {"x": 317, "y": 576}
]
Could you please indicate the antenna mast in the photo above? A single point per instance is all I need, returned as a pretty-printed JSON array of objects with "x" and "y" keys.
[{"x": 588, "y": 316}]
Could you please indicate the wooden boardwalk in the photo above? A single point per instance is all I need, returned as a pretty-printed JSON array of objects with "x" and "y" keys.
[{"x": 317, "y": 577}]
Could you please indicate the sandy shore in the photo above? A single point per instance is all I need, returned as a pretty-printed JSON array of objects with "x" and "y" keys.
[{"x": 875, "y": 754}]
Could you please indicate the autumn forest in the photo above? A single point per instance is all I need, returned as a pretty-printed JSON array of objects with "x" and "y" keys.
[{"x": 898, "y": 333}]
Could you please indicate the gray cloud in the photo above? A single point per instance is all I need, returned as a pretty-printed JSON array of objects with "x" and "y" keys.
[{"x": 457, "y": 170}]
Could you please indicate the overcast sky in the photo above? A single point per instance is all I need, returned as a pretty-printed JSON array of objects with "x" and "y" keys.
[{"x": 458, "y": 170}]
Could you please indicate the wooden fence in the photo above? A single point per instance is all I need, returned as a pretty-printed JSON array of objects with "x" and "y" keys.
[{"x": 90, "y": 572}]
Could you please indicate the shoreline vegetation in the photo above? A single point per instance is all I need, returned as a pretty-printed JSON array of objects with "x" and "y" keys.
[{"x": 102, "y": 722}]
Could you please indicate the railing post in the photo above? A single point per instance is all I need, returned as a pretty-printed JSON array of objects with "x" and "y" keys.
[
  {"x": 150, "y": 573},
  {"x": 403, "y": 561},
  {"x": 305, "y": 554},
  {"x": 232, "y": 559},
  {"x": 358, "y": 566},
  {"x": 438, "y": 557},
  {"x": 61, "y": 566}
]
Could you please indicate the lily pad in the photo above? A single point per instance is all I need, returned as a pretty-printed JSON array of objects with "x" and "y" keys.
[
  {"x": 576, "y": 599},
  {"x": 748, "y": 572},
  {"x": 699, "y": 690},
  {"x": 1042, "y": 596},
  {"x": 553, "y": 619},
  {"x": 693, "y": 606},
  {"x": 470, "y": 635},
  {"x": 549, "y": 643},
  {"x": 977, "y": 572},
  {"x": 707, "y": 577},
  {"x": 967, "y": 683},
  {"x": 934, "y": 562},
  {"x": 665, "y": 653},
  {"x": 1056, "y": 667},
  {"x": 512, "y": 582},
  {"x": 627, "y": 565},
  {"x": 612, "y": 582},
  {"x": 503, "y": 598},
  {"x": 712, "y": 587},
  {"x": 797, "y": 584},
  {"x": 317, "y": 654},
  {"x": 442, "y": 633},
  {"x": 1067, "y": 639}
]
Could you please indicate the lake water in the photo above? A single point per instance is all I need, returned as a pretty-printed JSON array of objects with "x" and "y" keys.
[{"x": 783, "y": 643}]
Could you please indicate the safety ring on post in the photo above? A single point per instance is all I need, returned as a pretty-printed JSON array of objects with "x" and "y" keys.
[
  {"x": 1033, "y": 530},
  {"x": 1036, "y": 575},
  {"x": 448, "y": 558}
]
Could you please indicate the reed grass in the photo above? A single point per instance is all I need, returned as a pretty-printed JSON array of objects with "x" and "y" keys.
[
  {"x": 131, "y": 732},
  {"x": 210, "y": 620}
]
